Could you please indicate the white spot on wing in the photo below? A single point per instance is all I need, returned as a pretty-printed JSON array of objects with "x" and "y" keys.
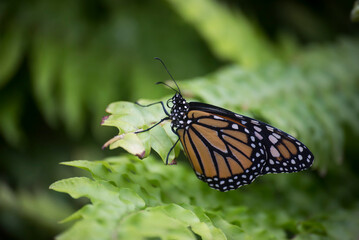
[
  {"x": 270, "y": 128},
  {"x": 274, "y": 151},
  {"x": 234, "y": 126},
  {"x": 276, "y": 135},
  {"x": 272, "y": 139},
  {"x": 258, "y": 135}
]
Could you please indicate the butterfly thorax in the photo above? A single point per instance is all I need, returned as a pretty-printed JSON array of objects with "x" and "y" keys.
[{"x": 179, "y": 111}]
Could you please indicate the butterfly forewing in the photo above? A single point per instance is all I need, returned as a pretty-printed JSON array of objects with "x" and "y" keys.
[{"x": 222, "y": 152}]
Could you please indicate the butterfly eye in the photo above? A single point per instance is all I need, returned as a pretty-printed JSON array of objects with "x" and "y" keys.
[{"x": 169, "y": 103}]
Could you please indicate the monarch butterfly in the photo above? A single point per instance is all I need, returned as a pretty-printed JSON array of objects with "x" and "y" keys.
[{"x": 228, "y": 150}]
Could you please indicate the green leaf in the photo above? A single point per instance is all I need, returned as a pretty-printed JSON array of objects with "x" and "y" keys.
[
  {"x": 129, "y": 118},
  {"x": 99, "y": 191},
  {"x": 46, "y": 61},
  {"x": 40, "y": 207},
  {"x": 11, "y": 49},
  {"x": 154, "y": 224},
  {"x": 230, "y": 35}
]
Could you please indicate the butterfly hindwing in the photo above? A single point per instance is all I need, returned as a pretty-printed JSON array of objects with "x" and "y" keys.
[{"x": 285, "y": 154}]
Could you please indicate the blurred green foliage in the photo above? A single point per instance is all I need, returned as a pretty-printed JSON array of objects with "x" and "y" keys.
[
  {"x": 355, "y": 12},
  {"x": 63, "y": 62}
]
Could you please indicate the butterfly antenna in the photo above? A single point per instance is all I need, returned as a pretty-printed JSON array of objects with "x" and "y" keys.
[
  {"x": 159, "y": 59},
  {"x": 167, "y": 85}
]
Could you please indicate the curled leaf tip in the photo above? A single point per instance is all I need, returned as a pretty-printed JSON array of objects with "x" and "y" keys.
[
  {"x": 104, "y": 119},
  {"x": 112, "y": 140},
  {"x": 141, "y": 155},
  {"x": 174, "y": 162}
]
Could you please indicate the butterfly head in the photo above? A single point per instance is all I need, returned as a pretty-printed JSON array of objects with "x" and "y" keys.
[{"x": 179, "y": 111}]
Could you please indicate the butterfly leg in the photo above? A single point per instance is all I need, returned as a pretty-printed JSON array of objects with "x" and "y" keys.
[
  {"x": 168, "y": 154},
  {"x": 148, "y": 129},
  {"x": 163, "y": 106}
]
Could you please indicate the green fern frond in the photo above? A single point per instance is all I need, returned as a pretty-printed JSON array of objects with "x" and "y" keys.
[
  {"x": 40, "y": 207},
  {"x": 11, "y": 47},
  {"x": 230, "y": 34},
  {"x": 134, "y": 199},
  {"x": 123, "y": 201},
  {"x": 129, "y": 118}
]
